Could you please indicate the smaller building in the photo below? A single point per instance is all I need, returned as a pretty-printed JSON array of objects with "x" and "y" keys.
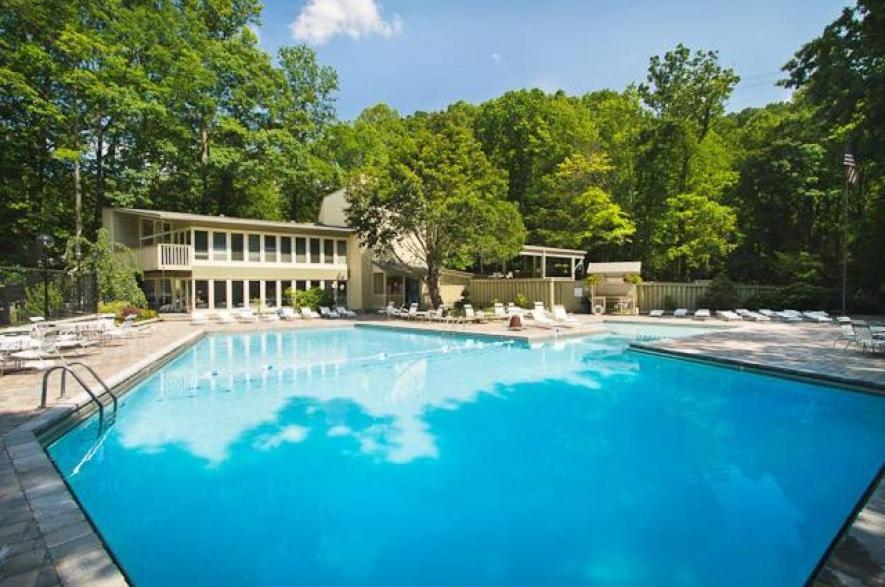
[{"x": 613, "y": 287}]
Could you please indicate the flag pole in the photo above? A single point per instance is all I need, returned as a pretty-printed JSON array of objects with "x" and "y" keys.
[{"x": 845, "y": 248}]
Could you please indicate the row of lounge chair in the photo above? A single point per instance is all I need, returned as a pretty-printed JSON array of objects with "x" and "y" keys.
[
  {"x": 44, "y": 342},
  {"x": 763, "y": 315},
  {"x": 862, "y": 335},
  {"x": 246, "y": 315},
  {"x": 558, "y": 319}
]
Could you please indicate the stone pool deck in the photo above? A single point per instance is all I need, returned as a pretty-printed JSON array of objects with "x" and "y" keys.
[{"x": 46, "y": 540}]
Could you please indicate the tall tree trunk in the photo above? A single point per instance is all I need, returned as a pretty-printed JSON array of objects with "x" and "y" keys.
[
  {"x": 433, "y": 285},
  {"x": 99, "y": 175},
  {"x": 204, "y": 166},
  {"x": 78, "y": 204}
]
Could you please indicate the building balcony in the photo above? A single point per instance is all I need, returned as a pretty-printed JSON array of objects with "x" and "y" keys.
[{"x": 165, "y": 257}]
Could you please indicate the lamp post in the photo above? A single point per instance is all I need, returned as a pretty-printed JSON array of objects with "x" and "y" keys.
[{"x": 44, "y": 242}]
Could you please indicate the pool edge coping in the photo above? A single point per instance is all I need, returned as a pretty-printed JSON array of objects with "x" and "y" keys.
[
  {"x": 845, "y": 383},
  {"x": 51, "y": 497}
]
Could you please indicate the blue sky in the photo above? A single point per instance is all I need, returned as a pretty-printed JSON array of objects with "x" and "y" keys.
[{"x": 423, "y": 55}]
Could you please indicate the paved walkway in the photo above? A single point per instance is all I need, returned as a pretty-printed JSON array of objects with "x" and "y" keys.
[
  {"x": 803, "y": 349},
  {"x": 46, "y": 540}
]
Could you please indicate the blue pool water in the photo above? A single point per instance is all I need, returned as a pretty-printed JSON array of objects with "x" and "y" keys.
[{"x": 364, "y": 456}]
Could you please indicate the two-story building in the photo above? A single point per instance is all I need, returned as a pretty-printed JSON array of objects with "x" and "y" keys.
[{"x": 195, "y": 261}]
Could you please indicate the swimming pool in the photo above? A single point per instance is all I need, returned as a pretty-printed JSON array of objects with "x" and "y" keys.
[{"x": 361, "y": 456}]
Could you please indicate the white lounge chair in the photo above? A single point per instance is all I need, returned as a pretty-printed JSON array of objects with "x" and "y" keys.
[
  {"x": 561, "y": 316},
  {"x": 343, "y": 311},
  {"x": 246, "y": 315},
  {"x": 325, "y": 312},
  {"x": 817, "y": 316},
  {"x": 471, "y": 315},
  {"x": 499, "y": 312},
  {"x": 656, "y": 314},
  {"x": 701, "y": 314},
  {"x": 846, "y": 335},
  {"x": 224, "y": 317},
  {"x": 287, "y": 313},
  {"x": 728, "y": 315},
  {"x": 753, "y": 316},
  {"x": 270, "y": 314},
  {"x": 541, "y": 320},
  {"x": 307, "y": 312},
  {"x": 680, "y": 313},
  {"x": 789, "y": 316},
  {"x": 865, "y": 339},
  {"x": 412, "y": 312}
]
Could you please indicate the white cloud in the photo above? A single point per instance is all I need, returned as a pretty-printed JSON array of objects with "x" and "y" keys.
[
  {"x": 320, "y": 20},
  {"x": 496, "y": 58}
]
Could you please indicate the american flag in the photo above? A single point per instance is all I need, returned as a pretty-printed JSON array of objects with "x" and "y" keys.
[{"x": 852, "y": 172}]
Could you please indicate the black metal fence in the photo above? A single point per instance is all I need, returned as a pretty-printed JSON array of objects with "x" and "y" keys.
[{"x": 22, "y": 294}]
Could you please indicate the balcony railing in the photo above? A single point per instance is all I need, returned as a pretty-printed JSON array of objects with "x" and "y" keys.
[{"x": 165, "y": 256}]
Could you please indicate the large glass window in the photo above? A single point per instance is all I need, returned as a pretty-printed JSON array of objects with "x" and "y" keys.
[
  {"x": 201, "y": 245},
  {"x": 286, "y": 249},
  {"x": 270, "y": 249},
  {"x": 328, "y": 251},
  {"x": 300, "y": 250},
  {"x": 236, "y": 247},
  {"x": 220, "y": 293},
  {"x": 342, "y": 251},
  {"x": 254, "y": 292},
  {"x": 341, "y": 294},
  {"x": 270, "y": 293},
  {"x": 201, "y": 291},
  {"x": 300, "y": 285},
  {"x": 147, "y": 233},
  {"x": 236, "y": 294},
  {"x": 255, "y": 248},
  {"x": 314, "y": 250},
  {"x": 219, "y": 246}
]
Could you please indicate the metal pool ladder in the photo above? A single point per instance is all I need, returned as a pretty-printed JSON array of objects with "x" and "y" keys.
[{"x": 69, "y": 368}]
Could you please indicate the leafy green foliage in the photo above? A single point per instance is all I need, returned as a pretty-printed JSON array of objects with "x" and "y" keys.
[
  {"x": 34, "y": 299},
  {"x": 312, "y": 298},
  {"x": 721, "y": 294},
  {"x": 435, "y": 202},
  {"x": 114, "y": 266}
]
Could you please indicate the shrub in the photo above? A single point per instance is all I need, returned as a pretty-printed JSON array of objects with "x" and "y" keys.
[
  {"x": 769, "y": 300},
  {"x": 522, "y": 301},
  {"x": 313, "y": 298},
  {"x": 721, "y": 294},
  {"x": 669, "y": 303},
  {"x": 121, "y": 309},
  {"x": 804, "y": 296},
  {"x": 34, "y": 300}
]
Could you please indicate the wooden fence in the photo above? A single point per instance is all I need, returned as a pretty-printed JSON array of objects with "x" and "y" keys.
[
  {"x": 483, "y": 292},
  {"x": 653, "y": 294}
]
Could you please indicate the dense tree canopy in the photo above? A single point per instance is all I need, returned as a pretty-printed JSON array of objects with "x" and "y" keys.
[
  {"x": 171, "y": 104},
  {"x": 435, "y": 201}
]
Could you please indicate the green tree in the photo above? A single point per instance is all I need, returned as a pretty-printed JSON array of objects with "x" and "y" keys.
[
  {"x": 576, "y": 211},
  {"x": 435, "y": 202},
  {"x": 695, "y": 233},
  {"x": 113, "y": 264},
  {"x": 690, "y": 87}
]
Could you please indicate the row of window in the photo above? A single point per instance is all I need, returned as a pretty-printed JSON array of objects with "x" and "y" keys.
[
  {"x": 250, "y": 292},
  {"x": 268, "y": 248}
]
